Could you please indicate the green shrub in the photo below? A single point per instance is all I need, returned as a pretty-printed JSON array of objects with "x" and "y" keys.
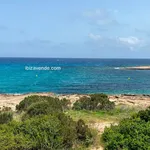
[
  {"x": 131, "y": 134},
  {"x": 144, "y": 114},
  {"x": 5, "y": 108},
  {"x": 5, "y": 117},
  {"x": 38, "y": 109},
  {"x": 28, "y": 101},
  {"x": 24, "y": 104},
  {"x": 41, "y": 108},
  {"x": 48, "y": 132},
  {"x": 84, "y": 133},
  {"x": 94, "y": 102},
  {"x": 44, "y": 126},
  {"x": 10, "y": 142},
  {"x": 65, "y": 104}
]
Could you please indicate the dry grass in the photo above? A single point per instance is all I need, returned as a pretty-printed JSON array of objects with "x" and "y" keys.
[{"x": 120, "y": 112}]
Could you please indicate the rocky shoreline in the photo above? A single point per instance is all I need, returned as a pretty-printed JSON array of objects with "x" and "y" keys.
[
  {"x": 143, "y": 101},
  {"x": 137, "y": 68}
]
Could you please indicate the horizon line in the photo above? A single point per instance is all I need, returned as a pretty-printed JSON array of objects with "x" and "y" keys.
[{"x": 69, "y": 57}]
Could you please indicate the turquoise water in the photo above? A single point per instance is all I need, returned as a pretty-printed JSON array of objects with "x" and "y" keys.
[{"x": 73, "y": 76}]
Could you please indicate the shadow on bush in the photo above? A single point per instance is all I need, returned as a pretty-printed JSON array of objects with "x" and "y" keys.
[
  {"x": 41, "y": 108},
  {"x": 5, "y": 117},
  {"x": 94, "y": 102},
  {"x": 144, "y": 114}
]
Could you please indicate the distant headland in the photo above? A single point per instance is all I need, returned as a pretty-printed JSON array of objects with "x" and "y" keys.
[{"x": 136, "y": 68}]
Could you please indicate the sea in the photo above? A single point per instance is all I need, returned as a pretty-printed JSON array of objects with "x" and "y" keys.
[{"x": 73, "y": 76}]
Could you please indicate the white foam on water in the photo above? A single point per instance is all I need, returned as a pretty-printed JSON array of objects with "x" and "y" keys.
[
  {"x": 17, "y": 94},
  {"x": 117, "y": 68}
]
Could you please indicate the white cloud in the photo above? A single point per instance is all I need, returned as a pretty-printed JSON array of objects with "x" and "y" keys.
[
  {"x": 130, "y": 40},
  {"x": 95, "y": 37}
]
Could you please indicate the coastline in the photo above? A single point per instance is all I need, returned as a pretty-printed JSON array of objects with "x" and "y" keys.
[
  {"x": 136, "y": 68},
  {"x": 134, "y": 100}
]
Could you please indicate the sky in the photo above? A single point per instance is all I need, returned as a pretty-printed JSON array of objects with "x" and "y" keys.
[{"x": 75, "y": 28}]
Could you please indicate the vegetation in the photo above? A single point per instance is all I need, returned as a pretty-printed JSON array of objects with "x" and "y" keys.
[
  {"x": 24, "y": 104},
  {"x": 54, "y": 103},
  {"x": 131, "y": 133},
  {"x": 83, "y": 133},
  {"x": 4, "y": 108},
  {"x": 47, "y": 123},
  {"x": 117, "y": 114},
  {"x": 144, "y": 114},
  {"x": 44, "y": 127},
  {"x": 45, "y": 132},
  {"x": 65, "y": 103},
  {"x": 95, "y": 102},
  {"x": 5, "y": 117},
  {"x": 40, "y": 108}
]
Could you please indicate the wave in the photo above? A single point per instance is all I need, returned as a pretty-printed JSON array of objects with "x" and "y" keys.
[
  {"x": 117, "y": 68},
  {"x": 15, "y": 94}
]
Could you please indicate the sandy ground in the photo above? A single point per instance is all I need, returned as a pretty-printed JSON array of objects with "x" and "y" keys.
[{"x": 142, "y": 101}]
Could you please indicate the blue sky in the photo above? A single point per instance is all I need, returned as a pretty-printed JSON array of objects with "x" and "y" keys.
[{"x": 75, "y": 28}]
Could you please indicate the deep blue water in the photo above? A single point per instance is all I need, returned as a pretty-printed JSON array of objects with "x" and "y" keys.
[{"x": 75, "y": 76}]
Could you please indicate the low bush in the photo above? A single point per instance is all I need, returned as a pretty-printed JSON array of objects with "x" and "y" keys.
[
  {"x": 28, "y": 101},
  {"x": 84, "y": 133},
  {"x": 5, "y": 117},
  {"x": 66, "y": 104},
  {"x": 144, "y": 114},
  {"x": 94, "y": 102},
  {"x": 5, "y": 108},
  {"x": 41, "y": 108},
  {"x": 24, "y": 104},
  {"x": 131, "y": 134},
  {"x": 9, "y": 140},
  {"x": 44, "y": 126},
  {"x": 50, "y": 132}
]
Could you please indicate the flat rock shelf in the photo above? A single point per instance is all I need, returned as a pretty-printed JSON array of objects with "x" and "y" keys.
[{"x": 137, "y": 68}]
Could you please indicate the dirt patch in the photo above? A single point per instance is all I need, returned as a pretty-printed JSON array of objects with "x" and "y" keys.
[{"x": 100, "y": 126}]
